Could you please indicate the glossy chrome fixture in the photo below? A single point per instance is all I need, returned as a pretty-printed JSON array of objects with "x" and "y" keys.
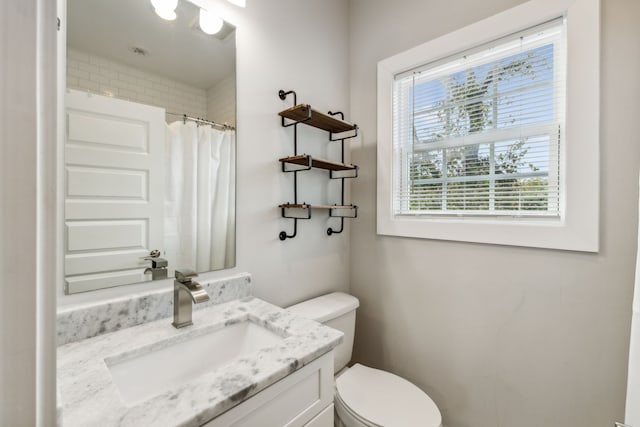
[
  {"x": 210, "y": 21},
  {"x": 240, "y": 3},
  {"x": 165, "y": 9},
  {"x": 185, "y": 292}
]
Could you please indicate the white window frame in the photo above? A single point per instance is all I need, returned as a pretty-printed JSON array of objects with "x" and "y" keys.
[{"x": 577, "y": 227}]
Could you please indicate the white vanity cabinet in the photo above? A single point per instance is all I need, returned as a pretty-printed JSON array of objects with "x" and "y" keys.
[{"x": 304, "y": 398}]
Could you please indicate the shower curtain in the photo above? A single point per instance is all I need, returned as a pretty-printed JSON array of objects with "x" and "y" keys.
[
  {"x": 632, "y": 413},
  {"x": 200, "y": 197}
]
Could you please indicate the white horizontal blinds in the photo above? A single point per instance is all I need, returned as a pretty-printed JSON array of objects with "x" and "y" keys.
[{"x": 480, "y": 133}]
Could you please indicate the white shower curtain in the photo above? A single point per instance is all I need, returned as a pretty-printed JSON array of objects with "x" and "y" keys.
[
  {"x": 200, "y": 197},
  {"x": 632, "y": 413}
]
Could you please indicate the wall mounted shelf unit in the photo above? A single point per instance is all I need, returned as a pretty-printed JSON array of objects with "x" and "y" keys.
[{"x": 339, "y": 130}]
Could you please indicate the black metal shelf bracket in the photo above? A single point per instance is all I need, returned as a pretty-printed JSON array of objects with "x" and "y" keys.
[
  {"x": 330, "y": 230},
  {"x": 283, "y": 95},
  {"x": 353, "y": 209},
  {"x": 301, "y": 168},
  {"x": 283, "y": 234},
  {"x": 307, "y": 208},
  {"x": 336, "y": 174},
  {"x": 341, "y": 138}
]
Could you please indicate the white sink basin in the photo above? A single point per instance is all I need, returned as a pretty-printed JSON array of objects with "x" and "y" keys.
[{"x": 160, "y": 369}]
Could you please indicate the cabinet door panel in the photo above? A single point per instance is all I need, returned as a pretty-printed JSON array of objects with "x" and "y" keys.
[
  {"x": 323, "y": 419},
  {"x": 293, "y": 401}
]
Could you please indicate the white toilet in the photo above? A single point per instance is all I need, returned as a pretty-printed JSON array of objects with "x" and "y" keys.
[{"x": 366, "y": 397}]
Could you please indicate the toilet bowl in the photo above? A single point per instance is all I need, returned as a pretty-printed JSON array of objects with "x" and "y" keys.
[{"x": 364, "y": 396}]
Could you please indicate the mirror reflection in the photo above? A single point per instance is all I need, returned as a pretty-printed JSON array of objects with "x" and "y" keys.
[{"x": 150, "y": 143}]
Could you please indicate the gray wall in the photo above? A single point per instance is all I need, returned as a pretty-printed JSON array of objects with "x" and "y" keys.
[
  {"x": 499, "y": 336},
  {"x": 273, "y": 53}
]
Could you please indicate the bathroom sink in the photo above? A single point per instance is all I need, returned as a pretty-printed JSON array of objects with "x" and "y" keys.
[{"x": 159, "y": 368}]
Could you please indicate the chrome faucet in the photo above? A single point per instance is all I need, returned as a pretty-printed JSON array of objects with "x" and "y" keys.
[
  {"x": 186, "y": 290},
  {"x": 158, "y": 269}
]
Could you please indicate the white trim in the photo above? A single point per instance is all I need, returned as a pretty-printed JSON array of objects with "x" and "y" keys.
[
  {"x": 48, "y": 243},
  {"x": 27, "y": 218},
  {"x": 578, "y": 228}
]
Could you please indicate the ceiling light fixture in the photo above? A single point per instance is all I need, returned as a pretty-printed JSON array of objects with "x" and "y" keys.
[
  {"x": 210, "y": 22},
  {"x": 240, "y": 3},
  {"x": 166, "y": 9}
]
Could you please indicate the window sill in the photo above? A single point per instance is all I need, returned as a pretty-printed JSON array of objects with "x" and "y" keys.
[{"x": 551, "y": 233}]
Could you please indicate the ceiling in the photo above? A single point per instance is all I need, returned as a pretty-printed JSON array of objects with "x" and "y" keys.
[{"x": 175, "y": 49}]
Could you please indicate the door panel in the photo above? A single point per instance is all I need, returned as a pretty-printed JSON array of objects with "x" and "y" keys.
[
  {"x": 105, "y": 235},
  {"x": 114, "y": 156},
  {"x": 85, "y": 263},
  {"x": 106, "y": 280},
  {"x": 106, "y": 182},
  {"x": 115, "y": 132}
]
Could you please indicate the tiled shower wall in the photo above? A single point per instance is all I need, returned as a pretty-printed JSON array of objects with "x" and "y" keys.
[
  {"x": 221, "y": 101},
  {"x": 97, "y": 74}
]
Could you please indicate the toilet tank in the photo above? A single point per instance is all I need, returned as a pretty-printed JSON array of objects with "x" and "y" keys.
[{"x": 338, "y": 311}]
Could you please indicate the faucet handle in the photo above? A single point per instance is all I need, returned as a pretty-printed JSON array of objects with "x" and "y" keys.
[
  {"x": 152, "y": 255},
  {"x": 185, "y": 275},
  {"x": 159, "y": 263}
]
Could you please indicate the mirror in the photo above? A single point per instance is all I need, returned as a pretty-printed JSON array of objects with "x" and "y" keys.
[{"x": 150, "y": 144}]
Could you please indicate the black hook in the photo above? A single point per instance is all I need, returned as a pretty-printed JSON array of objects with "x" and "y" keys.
[
  {"x": 283, "y": 234},
  {"x": 283, "y": 95},
  {"x": 336, "y": 113}
]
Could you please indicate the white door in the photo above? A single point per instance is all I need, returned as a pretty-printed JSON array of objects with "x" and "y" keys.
[{"x": 114, "y": 155}]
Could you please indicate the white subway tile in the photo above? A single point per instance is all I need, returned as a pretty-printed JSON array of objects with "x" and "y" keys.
[
  {"x": 77, "y": 73},
  {"x": 95, "y": 77},
  {"x": 127, "y": 94},
  {"x": 145, "y": 83},
  {"x": 77, "y": 55},
  {"x": 72, "y": 82},
  {"x": 127, "y": 78},
  {"x": 107, "y": 72},
  {"x": 88, "y": 85},
  {"x": 160, "y": 86}
]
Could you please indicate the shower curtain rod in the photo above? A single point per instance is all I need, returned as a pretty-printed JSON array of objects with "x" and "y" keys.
[{"x": 202, "y": 121}]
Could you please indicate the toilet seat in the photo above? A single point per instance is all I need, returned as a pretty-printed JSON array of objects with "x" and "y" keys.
[
  {"x": 347, "y": 417},
  {"x": 377, "y": 398}
]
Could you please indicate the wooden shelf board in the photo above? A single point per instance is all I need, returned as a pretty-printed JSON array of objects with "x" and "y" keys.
[
  {"x": 307, "y": 206},
  {"x": 317, "y": 163},
  {"x": 318, "y": 119}
]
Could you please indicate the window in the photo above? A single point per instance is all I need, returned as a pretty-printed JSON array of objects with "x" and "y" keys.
[
  {"x": 480, "y": 133},
  {"x": 488, "y": 137}
]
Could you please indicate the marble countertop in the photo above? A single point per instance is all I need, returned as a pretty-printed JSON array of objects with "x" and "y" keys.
[{"x": 89, "y": 396}]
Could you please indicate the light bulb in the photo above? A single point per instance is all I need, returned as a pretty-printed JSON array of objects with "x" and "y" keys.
[
  {"x": 165, "y": 9},
  {"x": 241, "y": 3},
  {"x": 210, "y": 23}
]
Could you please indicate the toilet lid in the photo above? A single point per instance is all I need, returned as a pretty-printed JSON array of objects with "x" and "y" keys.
[{"x": 384, "y": 399}]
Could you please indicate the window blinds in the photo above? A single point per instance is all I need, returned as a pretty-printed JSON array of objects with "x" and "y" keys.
[{"x": 480, "y": 133}]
